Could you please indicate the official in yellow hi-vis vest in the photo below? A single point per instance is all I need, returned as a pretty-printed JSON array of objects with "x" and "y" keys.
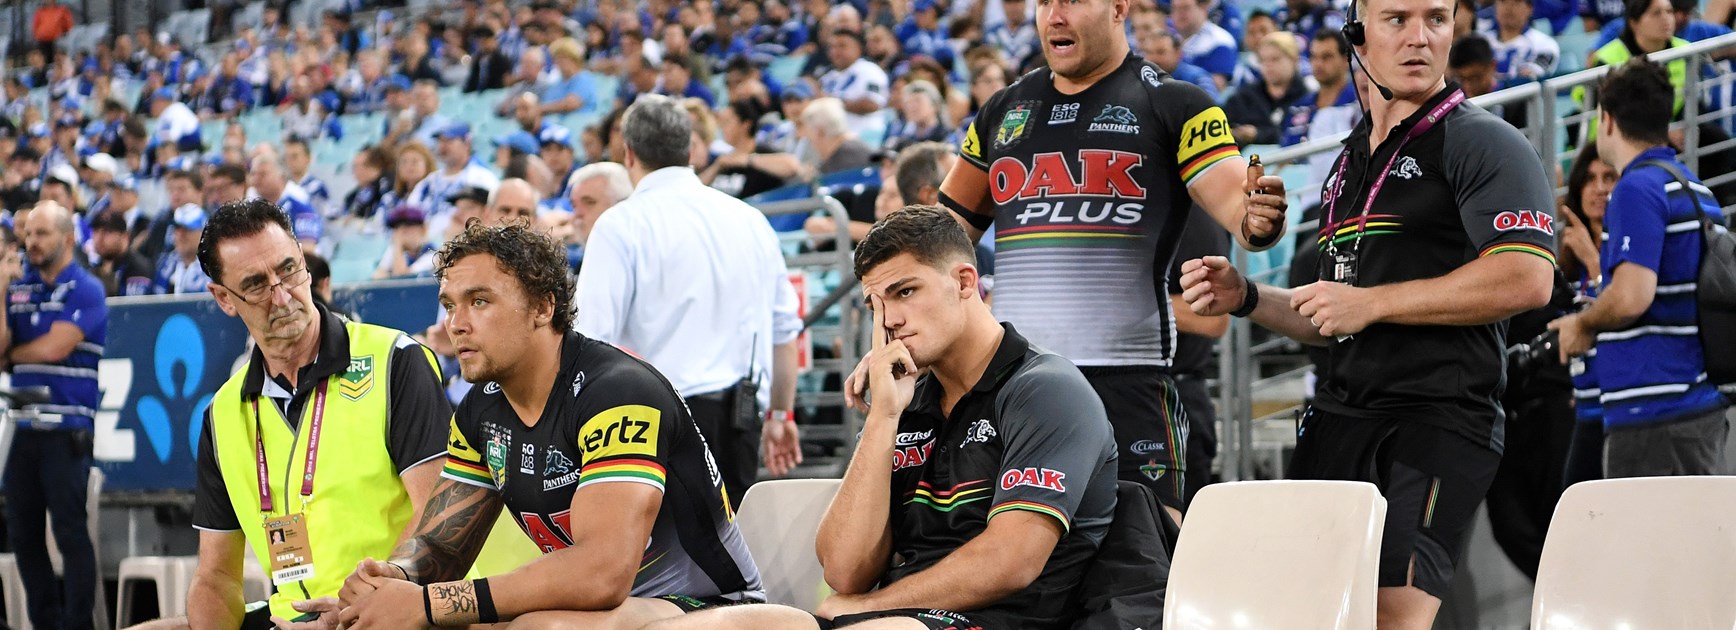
[{"x": 319, "y": 451}]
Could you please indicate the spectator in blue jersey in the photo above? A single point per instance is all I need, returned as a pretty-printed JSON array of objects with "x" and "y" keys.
[
  {"x": 1337, "y": 108},
  {"x": 230, "y": 93},
  {"x": 1267, "y": 113},
  {"x": 372, "y": 169},
  {"x": 556, "y": 150},
  {"x": 1203, "y": 43},
  {"x": 176, "y": 124},
  {"x": 678, "y": 80},
  {"x": 425, "y": 118},
  {"x": 1596, "y": 14},
  {"x": 1163, "y": 47},
  {"x": 922, "y": 117},
  {"x": 1016, "y": 37},
  {"x": 576, "y": 89},
  {"x": 1259, "y": 25},
  {"x": 1227, "y": 16},
  {"x": 1522, "y": 53},
  {"x": 921, "y": 33},
  {"x": 53, "y": 333},
  {"x": 178, "y": 271},
  {"x": 513, "y": 145},
  {"x": 1304, "y": 17},
  {"x": 1661, "y": 415},
  {"x": 410, "y": 255},
  {"x": 299, "y": 161},
  {"x": 270, "y": 179}
]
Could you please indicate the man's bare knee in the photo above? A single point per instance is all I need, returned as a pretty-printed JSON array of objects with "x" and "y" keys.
[
  {"x": 889, "y": 624},
  {"x": 748, "y": 617},
  {"x": 632, "y": 614},
  {"x": 168, "y": 623}
]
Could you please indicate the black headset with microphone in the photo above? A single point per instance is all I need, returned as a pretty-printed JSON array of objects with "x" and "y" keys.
[{"x": 1357, "y": 34}]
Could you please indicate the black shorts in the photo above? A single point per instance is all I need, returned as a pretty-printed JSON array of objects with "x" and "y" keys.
[
  {"x": 689, "y": 604},
  {"x": 258, "y": 619},
  {"x": 934, "y": 619},
  {"x": 1432, "y": 479},
  {"x": 1150, "y": 427}
]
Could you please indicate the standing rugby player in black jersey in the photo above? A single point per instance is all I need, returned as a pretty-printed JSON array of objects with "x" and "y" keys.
[
  {"x": 1087, "y": 170},
  {"x": 590, "y": 450}
]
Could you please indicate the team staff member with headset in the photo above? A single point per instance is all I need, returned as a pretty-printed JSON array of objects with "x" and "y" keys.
[
  {"x": 1438, "y": 225},
  {"x": 344, "y": 423},
  {"x": 1087, "y": 169}
]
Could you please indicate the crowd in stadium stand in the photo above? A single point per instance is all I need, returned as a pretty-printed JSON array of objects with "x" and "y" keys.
[{"x": 781, "y": 94}]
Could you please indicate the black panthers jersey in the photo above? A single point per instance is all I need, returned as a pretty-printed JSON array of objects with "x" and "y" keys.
[
  {"x": 1090, "y": 195},
  {"x": 610, "y": 419}
]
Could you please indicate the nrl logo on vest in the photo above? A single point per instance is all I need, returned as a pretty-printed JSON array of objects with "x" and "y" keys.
[{"x": 358, "y": 380}]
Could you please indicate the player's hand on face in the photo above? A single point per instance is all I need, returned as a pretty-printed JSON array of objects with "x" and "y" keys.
[
  {"x": 327, "y": 607},
  {"x": 1210, "y": 286},
  {"x": 891, "y": 370},
  {"x": 1337, "y": 309},
  {"x": 1265, "y": 205},
  {"x": 368, "y": 574}
]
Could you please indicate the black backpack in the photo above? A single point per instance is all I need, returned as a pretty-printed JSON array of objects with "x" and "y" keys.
[
  {"x": 1715, "y": 292},
  {"x": 1125, "y": 584}
]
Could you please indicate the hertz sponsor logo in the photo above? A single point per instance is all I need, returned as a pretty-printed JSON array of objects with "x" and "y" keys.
[{"x": 1206, "y": 130}]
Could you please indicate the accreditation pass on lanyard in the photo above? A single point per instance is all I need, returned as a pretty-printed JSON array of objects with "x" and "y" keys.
[{"x": 286, "y": 535}]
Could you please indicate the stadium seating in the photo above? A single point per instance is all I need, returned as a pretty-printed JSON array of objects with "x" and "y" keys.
[
  {"x": 1277, "y": 554},
  {"x": 778, "y": 520},
  {"x": 1640, "y": 553}
]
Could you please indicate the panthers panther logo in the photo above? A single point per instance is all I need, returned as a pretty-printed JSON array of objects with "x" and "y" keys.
[{"x": 1116, "y": 119}]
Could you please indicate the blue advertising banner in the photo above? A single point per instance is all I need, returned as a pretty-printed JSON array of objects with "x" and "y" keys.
[{"x": 167, "y": 356}]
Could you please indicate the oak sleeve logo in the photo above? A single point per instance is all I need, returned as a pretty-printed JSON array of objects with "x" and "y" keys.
[
  {"x": 623, "y": 430},
  {"x": 1205, "y": 131},
  {"x": 1525, "y": 220},
  {"x": 1041, "y": 478}
]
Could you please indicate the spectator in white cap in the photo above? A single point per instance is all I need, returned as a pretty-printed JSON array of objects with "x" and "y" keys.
[
  {"x": 179, "y": 271},
  {"x": 98, "y": 171}
]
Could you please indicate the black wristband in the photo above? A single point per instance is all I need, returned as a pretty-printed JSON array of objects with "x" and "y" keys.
[
  {"x": 484, "y": 602},
  {"x": 428, "y": 607},
  {"x": 1266, "y": 241},
  {"x": 971, "y": 217},
  {"x": 1250, "y": 301}
]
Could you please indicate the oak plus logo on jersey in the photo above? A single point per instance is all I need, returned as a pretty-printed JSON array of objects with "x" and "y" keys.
[
  {"x": 1115, "y": 119},
  {"x": 1100, "y": 173},
  {"x": 1042, "y": 478},
  {"x": 1064, "y": 113}
]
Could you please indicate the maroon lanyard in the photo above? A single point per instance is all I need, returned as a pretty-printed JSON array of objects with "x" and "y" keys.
[
  {"x": 1423, "y": 126},
  {"x": 265, "y": 504}
]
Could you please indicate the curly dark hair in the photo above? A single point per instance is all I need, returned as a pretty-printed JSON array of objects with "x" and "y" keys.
[
  {"x": 536, "y": 260},
  {"x": 233, "y": 220},
  {"x": 928, "y": 233}
]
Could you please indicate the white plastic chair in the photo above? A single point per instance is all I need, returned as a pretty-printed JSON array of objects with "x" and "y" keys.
[
  {"x": 12, "y": 582},
  {"x": 1649, "y": 552},
  {"x": 779, "y": 520},
  {"x": 170, "y": 574},
  {"x": 1277, "y": 554}
]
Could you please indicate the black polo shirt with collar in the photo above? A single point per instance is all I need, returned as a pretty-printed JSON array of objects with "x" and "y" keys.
[
  {"x": 1469, "y": 187},
  {"x": 1031, "y": 435},
  {"x": 416, "y": 430}
]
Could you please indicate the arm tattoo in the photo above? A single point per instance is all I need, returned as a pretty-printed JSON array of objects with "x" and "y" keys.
[
  {"x": 454, "y": 525},
  {"x": 453, "y": 603}
]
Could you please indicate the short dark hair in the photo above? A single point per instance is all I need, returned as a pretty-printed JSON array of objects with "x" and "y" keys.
[
  {"x": 928, "y": 233},
  {"x": 317, "y": 268},
  {"x": 1470, "y": 50},
  {"x": 232, "y": 172},
  {"x": 297, "y": 141},
  {"x": 1647, "y": 100},
  {"x": 658, "y": 131},
  {"x": 234, "y": 220},
  {"x": 192, "y": 177},
  {"x": 1336, "y": 37},
  {"x": 536, "y": 260},
  {"x": 918, "y": 166}
]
